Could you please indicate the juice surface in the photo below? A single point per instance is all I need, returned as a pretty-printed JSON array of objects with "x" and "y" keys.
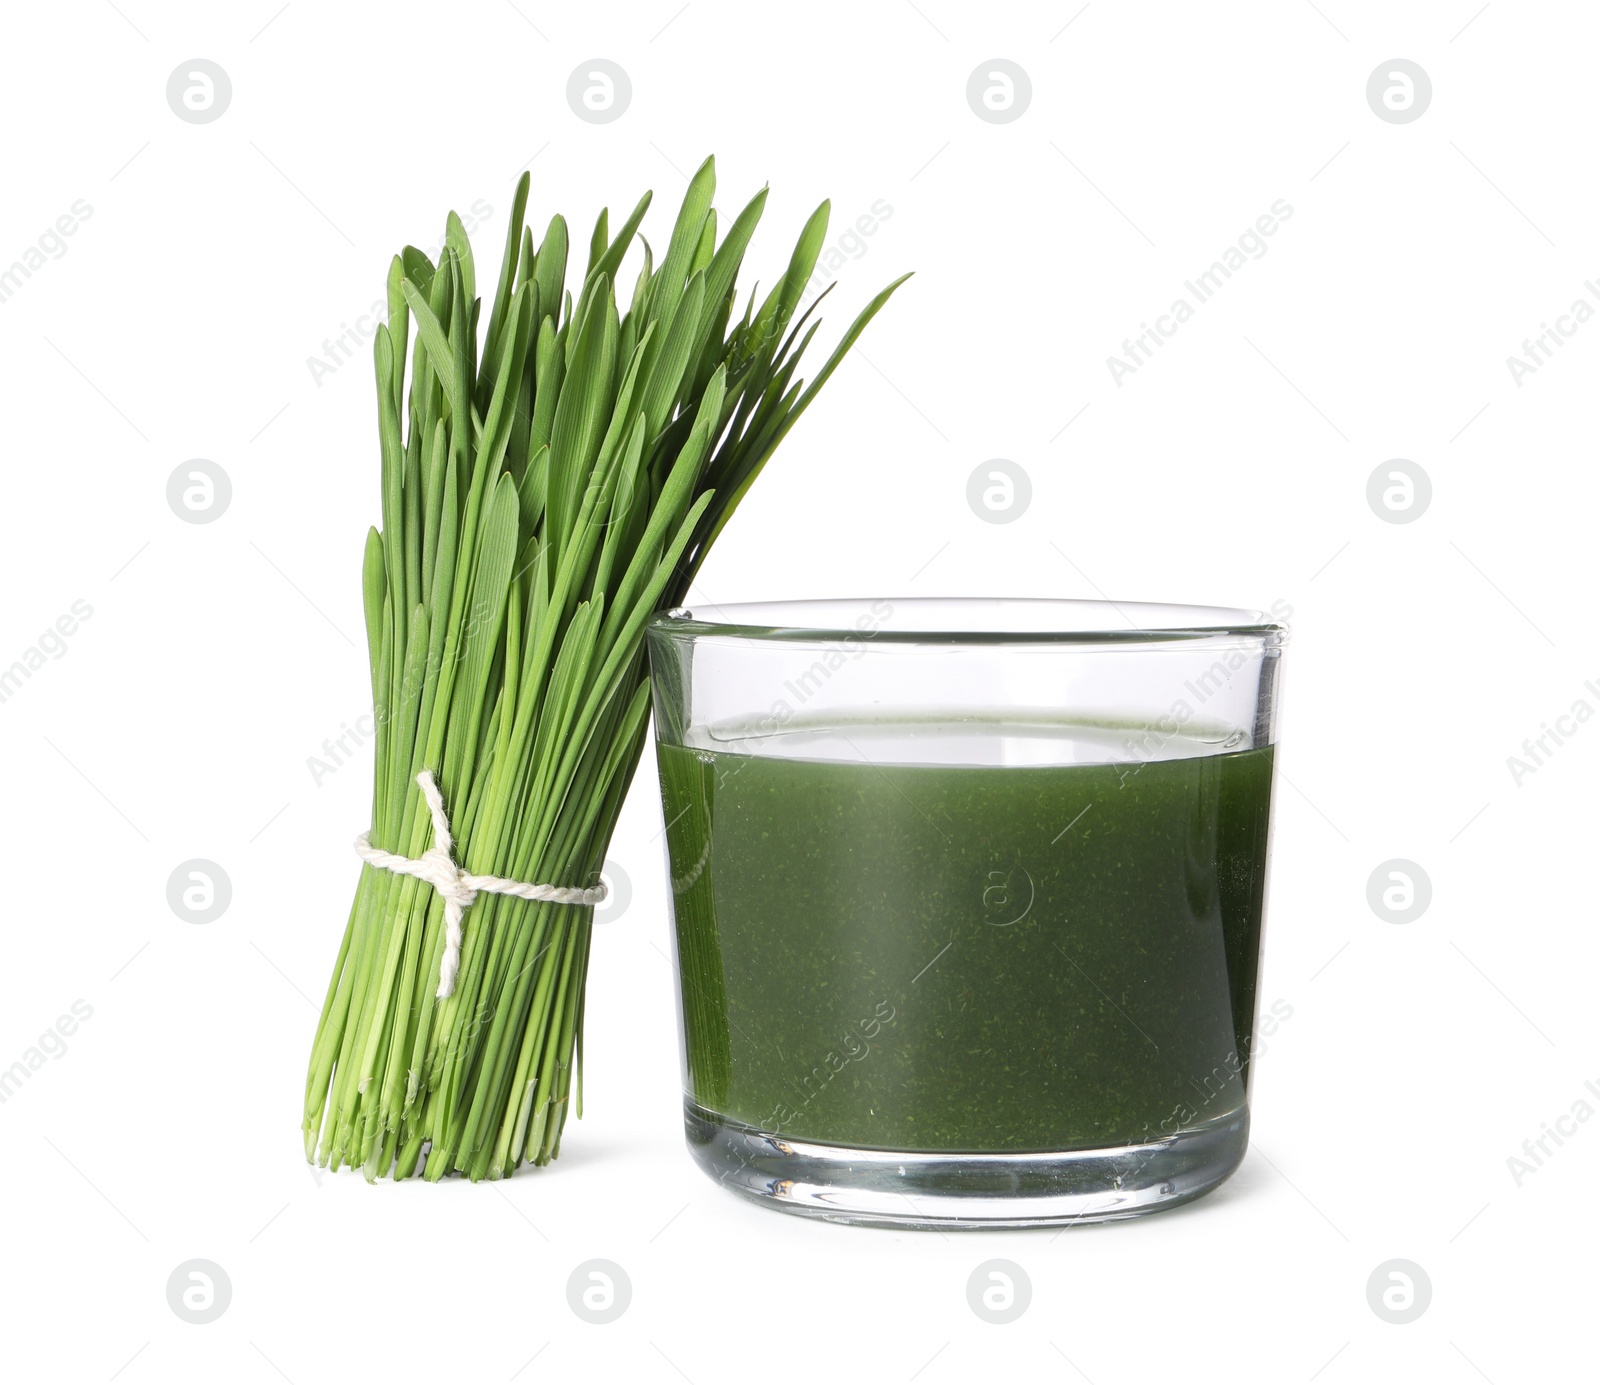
[{"x": 928, "y": 957}]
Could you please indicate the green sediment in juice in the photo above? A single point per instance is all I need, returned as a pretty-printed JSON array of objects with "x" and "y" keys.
[{"x": 948, "y": 958}]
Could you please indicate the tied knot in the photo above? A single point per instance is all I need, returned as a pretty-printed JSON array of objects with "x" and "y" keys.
[
  {"x": 441, "y": 871},
  {"x": 437, "y": 867}
]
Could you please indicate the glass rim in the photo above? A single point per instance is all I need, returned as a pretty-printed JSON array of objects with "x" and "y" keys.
[{"x": 967, "y": 620}]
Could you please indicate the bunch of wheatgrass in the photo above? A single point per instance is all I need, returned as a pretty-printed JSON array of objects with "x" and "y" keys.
[{"x": 543, "y": 494}]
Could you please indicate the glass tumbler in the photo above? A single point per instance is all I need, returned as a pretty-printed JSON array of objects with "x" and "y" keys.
[{"x": 967, "y": 900}]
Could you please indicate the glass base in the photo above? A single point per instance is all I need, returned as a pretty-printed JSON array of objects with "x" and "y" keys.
[{"x": 875, "y": 1187}]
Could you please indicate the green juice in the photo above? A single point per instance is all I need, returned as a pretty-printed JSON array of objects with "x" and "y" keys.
[{"x": 967, "y": 959}]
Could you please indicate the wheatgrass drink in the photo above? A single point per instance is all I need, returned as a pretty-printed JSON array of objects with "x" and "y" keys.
[{"x": 950, "y": 953}]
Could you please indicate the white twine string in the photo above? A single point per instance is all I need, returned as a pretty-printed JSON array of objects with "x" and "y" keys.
[{"x": 438, "y": 867}]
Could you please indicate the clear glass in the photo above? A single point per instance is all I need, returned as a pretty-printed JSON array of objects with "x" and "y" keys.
[{"x": 967, "y": 900}]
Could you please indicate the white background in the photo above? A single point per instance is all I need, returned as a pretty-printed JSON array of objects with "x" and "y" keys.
[{"x": 178, "y": 721}]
